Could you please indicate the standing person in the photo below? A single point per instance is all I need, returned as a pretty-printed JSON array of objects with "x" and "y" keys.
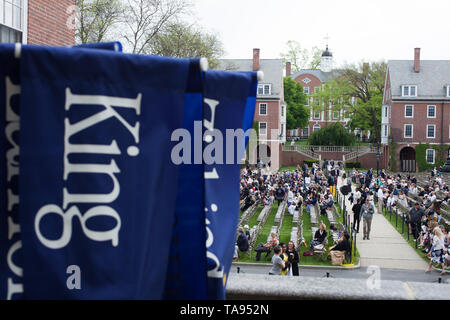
[
  {"x": 285, "y": 257},
  {"x": 437, "y": 255},
  {"x": 367, "y": 211},
  {"x": 293, "y": 258},
  {"x": 356, "y": 217},
  {"x": 415, "y": 218},
  {"x": 380, "y": 195},
  {"x": 279, "y": 195},
  {"x": 277, "y": 262}
]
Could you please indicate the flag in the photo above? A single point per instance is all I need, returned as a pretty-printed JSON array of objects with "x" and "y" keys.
[
  {"x": 229, "y": 104},
  {"x": 11, "y": 265},
  {"x": 111, "y": 46},
  {"x": 98, "y": 187}
]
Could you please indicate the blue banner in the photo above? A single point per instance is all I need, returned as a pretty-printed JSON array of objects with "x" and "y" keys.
[
  {"x": 97, "y": 181},
  {"x": 111, "y": 46},
  {"x": 11, "y": 265},
  {"x": 229, "y": 104}
]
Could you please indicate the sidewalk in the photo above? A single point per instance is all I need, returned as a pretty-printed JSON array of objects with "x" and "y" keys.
[{"x": 386, "y": 247}]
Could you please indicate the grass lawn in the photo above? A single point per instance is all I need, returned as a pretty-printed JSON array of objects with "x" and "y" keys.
[{"x": 282, "y": 169}]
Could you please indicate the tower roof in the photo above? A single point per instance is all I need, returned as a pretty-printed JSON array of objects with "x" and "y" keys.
[{"x": 327, "y": 53}]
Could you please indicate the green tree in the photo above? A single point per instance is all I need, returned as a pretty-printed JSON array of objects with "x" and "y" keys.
[
  {"x": 364, "y": 83},
  {"x": 301, "y": 58},
  {"x": 186, "y": 41},
  {"x": 332, "y": 135},
  {"x": 297, "y": 115},
  {"x": 95, "y": 19}
]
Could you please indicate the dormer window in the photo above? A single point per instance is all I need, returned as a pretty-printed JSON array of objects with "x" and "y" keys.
[
  {"x": 264, "y": 89},
  {"x": 409, "y": 91},
  {"x": 448, "y": 90}
]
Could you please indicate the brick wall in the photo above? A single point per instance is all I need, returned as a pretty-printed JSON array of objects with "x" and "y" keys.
[{"x": 47, "y": 22}]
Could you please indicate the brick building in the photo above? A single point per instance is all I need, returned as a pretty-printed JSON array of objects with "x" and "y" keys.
[
  {"x": 42, "y": 22},
  {"x": 311, "y": 81},
  {"x": 270, "y": 111},
  {"x": 416, "y": 111}
]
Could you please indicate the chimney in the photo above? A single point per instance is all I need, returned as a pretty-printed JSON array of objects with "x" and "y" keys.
[
  {"x": 255, "y": 59},
  {"x": 417, "y": 60},
  {"x": 288, "y": 69}
]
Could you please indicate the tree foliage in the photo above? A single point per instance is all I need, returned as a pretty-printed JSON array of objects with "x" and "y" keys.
[
  {"x": 301, "y": 58},
  {"x": 297, "y": 115},
  {"x": 96, "y": 18},
  {"x": 181, "y": 40},
  {"x": 366, "y": 84},
  {"x": 332, "y": 135}
]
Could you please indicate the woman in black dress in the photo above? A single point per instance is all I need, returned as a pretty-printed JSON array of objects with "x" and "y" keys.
[{"x": 293, "y": 258}]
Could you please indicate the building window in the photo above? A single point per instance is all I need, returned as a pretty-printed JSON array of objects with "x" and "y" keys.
[
  {"x": 282, "y": 111},
  {"x": 316, "y": 127},
  {"x": 385, "y": 131},
  {"x": 409, "y": 111},
  {"x": 409, "y": 91},
  {"x": 11, "y": 21},
  {"x": 306, "y": 90},
  {"x": 316, "y": 114},
  {"x": 316, "y": 89},
  {"x": 305, "y": 132},
  {"x": 430, "y": 156},
  {"x": 408, "y": 131},
  {"x": 386, "y": 112},
  {"x": 431, "y": 112},
  {"x": 264, "y": 89},
  {"x": 306, "y": 80},
  {"x": 431, "y": 130},
  {"x": 263, "y": 128},
  {"x": 263, "y": 109},
  {"x": 448, "y": 91},
  {"x": 335, "y": 115}
]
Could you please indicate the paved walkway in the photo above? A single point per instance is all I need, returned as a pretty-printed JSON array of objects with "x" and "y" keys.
[{"x": 386, "y": 247}]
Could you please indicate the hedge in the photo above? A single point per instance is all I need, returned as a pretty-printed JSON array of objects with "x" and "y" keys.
[
  {"x": 310, "y": 162},
  {"x": 439, "y": 156},
  {"x": 352, "y": 164}
]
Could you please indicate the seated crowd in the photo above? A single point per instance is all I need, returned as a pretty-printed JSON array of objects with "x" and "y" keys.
[{"x": 306, "y": 186}]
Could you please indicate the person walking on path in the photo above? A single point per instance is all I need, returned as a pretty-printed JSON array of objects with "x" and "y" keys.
[
  {"x": 437, "y": 255},
  {"x": 367, "y": 211},
  {"x": 277, "y": 262},
  {"x": 356, "y": 217}
]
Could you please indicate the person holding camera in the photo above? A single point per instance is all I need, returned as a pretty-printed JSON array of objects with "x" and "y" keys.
[{"x": 367, "y": 211}]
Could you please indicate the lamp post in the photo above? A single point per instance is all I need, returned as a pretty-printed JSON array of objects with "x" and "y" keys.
[{"x": 378, "y": 159}]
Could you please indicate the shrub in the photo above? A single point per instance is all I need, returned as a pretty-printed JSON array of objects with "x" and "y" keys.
[{"x": 352, "y": 164}]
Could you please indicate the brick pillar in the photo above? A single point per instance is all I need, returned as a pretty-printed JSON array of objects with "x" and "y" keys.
[{"x": 288, "y": 69}]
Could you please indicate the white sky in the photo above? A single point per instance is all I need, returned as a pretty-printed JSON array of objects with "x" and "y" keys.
[{"x": 369, "y": 30}]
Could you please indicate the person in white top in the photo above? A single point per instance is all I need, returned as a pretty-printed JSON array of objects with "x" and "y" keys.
[
  {"x": 380, "y": 195},
  {"x": 437, "y": 255},
  {"x": 433, "y": 196},
  {"x": 391, "y": 201},
  {"x": 356, "y": 196}
]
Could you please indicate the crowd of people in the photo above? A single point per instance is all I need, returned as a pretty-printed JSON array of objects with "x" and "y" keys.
[
  {"x": 375, "y": 191},
  {"x": 421, "y": 203},
  {"x": 305, "y": 186}
]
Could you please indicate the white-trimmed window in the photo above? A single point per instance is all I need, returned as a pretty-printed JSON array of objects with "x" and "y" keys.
[
  {"x": 316, "y": 89},
  {"x": 263, "y": 128},
  {"x": 335, "y": 115},
  {"x": 409, "y": 91},
  {"x": 305, "y": 132},
  {"x": 316, "y": 114},
  {"x": 431, "y": 131},
  {"x": 11, "y": 21},
  {"x": 264, "y": 89},
  {"x": 408, "y": 131},
  {"x": 316, "y": 127},
  {"x": 431, "y": 111},
  {"x": 263, "y": 109},
  {"x": 409, "y": 111},
  {"x": 306, "y": 90},
  {"x": 448, "y": 90},
  {"x": 430, "y": 153}
]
